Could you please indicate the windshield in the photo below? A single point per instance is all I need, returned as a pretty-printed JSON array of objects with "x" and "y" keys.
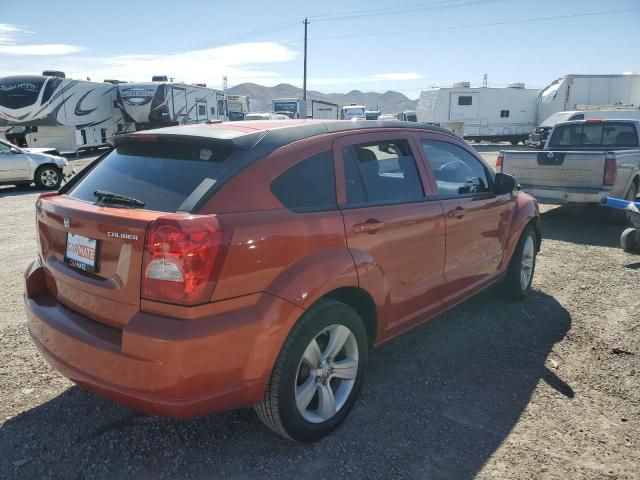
[
  {"x": 354, "y": 112},
  {"x": 557, "y": 117},
  {"x": 588, "y": 135},
  {"x": 161, "y": 174}
]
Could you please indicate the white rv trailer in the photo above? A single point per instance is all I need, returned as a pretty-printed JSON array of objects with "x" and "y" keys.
[
  {"x": 60, "y": 113},
  {"x": 324, "y": 110},
  {"x": 578, "y": 92},
  {"x": 237, "y": 106},
  {"x": 494, "y": 114},
  {"x": 163, "y": 103}
]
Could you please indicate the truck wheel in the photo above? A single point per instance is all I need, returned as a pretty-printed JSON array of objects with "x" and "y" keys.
[
  {"x": 623, "y": 217},
  {"x": 630, "y": 240},
  {"x": 318, "y": 373},
  {"x": 48, "y": 177},
  {"x": 515, "y": 142},
  {"x": 517, "y": 282}
]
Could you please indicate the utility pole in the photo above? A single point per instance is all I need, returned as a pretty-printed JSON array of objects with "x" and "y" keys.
[{"x": 304, "y": 79}]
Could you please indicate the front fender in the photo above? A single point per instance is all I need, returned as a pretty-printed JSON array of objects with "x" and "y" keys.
[
  {"x": 304, "y": 282},
  {"x": 525, "y": 210}
]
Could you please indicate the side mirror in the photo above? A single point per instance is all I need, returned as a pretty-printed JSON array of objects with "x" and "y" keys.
[{"x": 504, "y": 183}]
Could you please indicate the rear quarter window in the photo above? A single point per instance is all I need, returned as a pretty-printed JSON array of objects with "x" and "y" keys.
[{"x": 308, "y": 186}]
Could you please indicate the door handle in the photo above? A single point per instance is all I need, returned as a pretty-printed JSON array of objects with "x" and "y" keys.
[
  {"x": 457, "y": 212},
  {"x": 370, "y": 226}
]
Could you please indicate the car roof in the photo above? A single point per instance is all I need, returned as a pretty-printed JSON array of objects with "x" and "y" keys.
[
  {"x": 266, "y": 136},
  {"x": 598, "y": 120}
]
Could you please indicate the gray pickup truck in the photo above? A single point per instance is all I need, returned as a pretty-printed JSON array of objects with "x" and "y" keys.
[{"x": 582, "y": 162}]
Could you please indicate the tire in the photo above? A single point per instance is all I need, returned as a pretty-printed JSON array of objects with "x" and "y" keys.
[
  {"x": 514, "y": 142},
  {"x": 523, "y": 262},
  {"x": 279, "y": 409},
  {"x": 630, "y": 240},
  {"x": 48, "y": 177}
]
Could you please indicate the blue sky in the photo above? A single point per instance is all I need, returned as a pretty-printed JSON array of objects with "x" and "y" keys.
[{"x": 370, "y": 45}]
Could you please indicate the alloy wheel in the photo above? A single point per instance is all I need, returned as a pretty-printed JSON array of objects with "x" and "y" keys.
[{"x": 326, "y": 373}]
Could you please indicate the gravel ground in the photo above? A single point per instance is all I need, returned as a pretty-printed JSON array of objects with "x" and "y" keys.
[{"x": 547, "y": 388}]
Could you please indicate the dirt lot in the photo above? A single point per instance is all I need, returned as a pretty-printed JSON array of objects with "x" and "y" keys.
[{"x": 547, "y": 388}]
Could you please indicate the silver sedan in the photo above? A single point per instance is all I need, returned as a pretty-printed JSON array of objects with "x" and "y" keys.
[{"x": 24, "y": 166}]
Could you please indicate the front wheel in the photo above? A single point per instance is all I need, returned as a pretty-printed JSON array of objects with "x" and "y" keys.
[
  {"x": 318, "y": 374},
  {"x": 517, "y": 282},
  {"x": 48, "y": 177}
]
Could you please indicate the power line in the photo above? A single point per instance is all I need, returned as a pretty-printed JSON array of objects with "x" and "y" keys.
[
  {"x": 440, "y": 5},
  {"x": 493, "y": 24},
  {"x": 221, "y": 41}
]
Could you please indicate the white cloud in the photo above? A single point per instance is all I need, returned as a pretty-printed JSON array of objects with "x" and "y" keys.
[
  {"x": 9, "y": 45},
  {"x": 237, "y": 61},
  {"x": 43, "y": 49},
  {"x": 398, "y": 76}
]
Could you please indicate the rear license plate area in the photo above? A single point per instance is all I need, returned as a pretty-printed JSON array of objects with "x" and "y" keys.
[{"x": 81, "y": 252}]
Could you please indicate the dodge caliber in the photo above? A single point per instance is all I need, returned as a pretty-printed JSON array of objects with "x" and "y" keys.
[{"x": 202, "y": 268}]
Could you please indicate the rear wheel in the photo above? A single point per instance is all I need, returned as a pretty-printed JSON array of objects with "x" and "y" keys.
[
  {"x": 318, "y": 374},
  {"x": 515, "y": 142},
  {"x": 517, "y": 282},
  {"x": 48, "y": 177}
]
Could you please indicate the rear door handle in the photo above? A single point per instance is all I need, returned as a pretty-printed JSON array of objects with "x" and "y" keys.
[
  {"x": 370, "y": 226},
  {"x": 457, "y": 212}
]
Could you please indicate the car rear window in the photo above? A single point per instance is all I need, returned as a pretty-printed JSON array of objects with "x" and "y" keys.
[
  {"x": 167, "y": 175},
  {"x": 594, "y": 135}
]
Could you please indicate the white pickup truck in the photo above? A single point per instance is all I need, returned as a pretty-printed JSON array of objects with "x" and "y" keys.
[{"x": 582, "y": 162}]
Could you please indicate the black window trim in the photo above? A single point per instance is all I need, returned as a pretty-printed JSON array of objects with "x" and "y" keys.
[
  {"x": 491, "y": 175},
  {"x": 408, "y": 139}
]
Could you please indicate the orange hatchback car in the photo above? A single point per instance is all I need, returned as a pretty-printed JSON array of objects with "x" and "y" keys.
[{"x": 203, "y": 268}]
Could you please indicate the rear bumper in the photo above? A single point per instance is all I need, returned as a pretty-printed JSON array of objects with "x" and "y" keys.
[
  {"x": 561, "y": 195},
  {"x": 160, "y": 365}
]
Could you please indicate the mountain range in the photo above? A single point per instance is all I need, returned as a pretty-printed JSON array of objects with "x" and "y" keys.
[{"x": 260, "y": 97}]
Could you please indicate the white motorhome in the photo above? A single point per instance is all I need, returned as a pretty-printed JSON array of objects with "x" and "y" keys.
[
  {"x": 494, "y": 114},
  {"x": 324, "y": 110},
  {"x": 60, "y": 113},
  {"x": 353, "y": 112},
  {"x": 573, "y": 92},
  {"x": 163, "y": 103},
  {"x": 292, "y": 107}
]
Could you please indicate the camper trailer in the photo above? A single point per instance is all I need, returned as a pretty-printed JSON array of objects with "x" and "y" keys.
[
  {"x": 493, "y": 114},
  {"x": 292, "y": 107},
  {"x": 51, "y": 111},
  {"x": 163, "y": 103},
  {"x": 324, "y": 110},
  {"x": 580, "y": 92}
]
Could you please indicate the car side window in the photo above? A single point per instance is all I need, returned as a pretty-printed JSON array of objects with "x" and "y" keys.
[
  {"x": 308, "y": 186},
  {"x": 4, "y": 149},
  {"x": 381, "y": 173},
  {"x": 457, "y": 172}
]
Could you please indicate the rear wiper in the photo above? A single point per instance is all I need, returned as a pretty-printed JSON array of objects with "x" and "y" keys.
[{"x": 110, "y": 197}]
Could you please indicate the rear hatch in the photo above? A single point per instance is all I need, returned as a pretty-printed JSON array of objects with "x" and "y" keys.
[{"x": 93, "y": 245}]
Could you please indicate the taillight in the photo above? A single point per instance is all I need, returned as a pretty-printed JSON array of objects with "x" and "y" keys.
[
  {"x": 182, "y": 257},
  {"x": 500, "y": 161},
  {"x": 610, "y": 170}
]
